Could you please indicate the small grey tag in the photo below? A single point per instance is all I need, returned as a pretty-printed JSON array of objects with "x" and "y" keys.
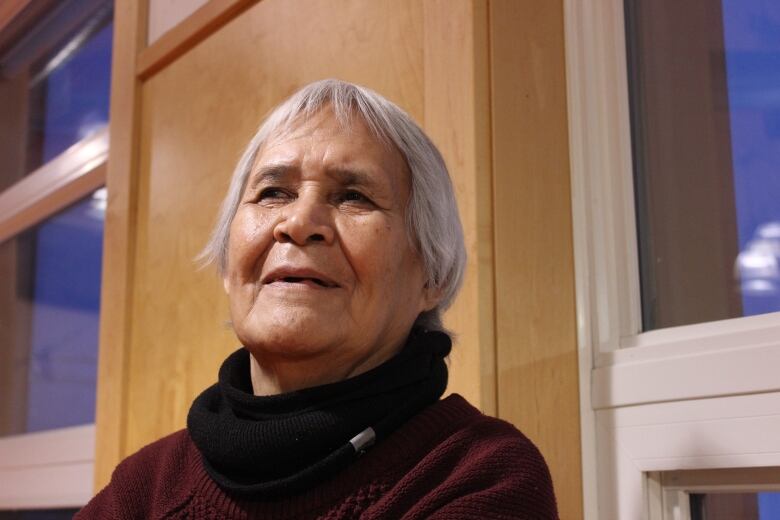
[{"x": 363, "y": 440}]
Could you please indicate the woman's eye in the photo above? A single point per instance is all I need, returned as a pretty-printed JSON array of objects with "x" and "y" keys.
[
  {"x": 353, "y": 196},
  {"x": 273, "y": 193}
]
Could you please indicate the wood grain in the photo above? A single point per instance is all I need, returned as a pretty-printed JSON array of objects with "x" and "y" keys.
[
  {"x": 198, "y": 114},
  {"x": 535, "y": 307},
  {"x": 118, "y": 246},
  {"x": 457, "y": 117},
  {"x": 486, "y": 82},
  {"x": 185, "y": 35}
]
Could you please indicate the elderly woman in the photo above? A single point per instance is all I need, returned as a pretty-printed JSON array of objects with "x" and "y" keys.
[{"x": 339, "y": 245}]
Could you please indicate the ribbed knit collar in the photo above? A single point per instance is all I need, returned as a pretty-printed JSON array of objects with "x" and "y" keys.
[{"x": 278, "y": 445}]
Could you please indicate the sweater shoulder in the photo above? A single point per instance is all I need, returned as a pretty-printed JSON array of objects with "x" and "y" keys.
[
  {"x": 481, "y": 467},
  {"x": 158, "y": 461},
  {"x": 483, "y": 438},
  {"x": 149, "y": 482},
  {"x": 483, "y": 435}
]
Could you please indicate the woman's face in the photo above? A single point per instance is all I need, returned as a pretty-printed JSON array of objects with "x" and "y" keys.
[{"x": 319, "y": 262}]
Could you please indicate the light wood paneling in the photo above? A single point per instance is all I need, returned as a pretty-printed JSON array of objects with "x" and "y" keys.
[
  {"x": 198, "y": 113},
  {"x": 118, "y": 243},
  {"x": 535, "y": 312},
  {"x": 195, "y": 28},
  {"x": 457, "y": 117},
  {"x": 486, "y": 84}
]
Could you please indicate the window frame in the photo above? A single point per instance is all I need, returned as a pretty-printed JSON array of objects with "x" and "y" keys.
[
  {"x": 669, "y": 493},
  {"x": 628, "y": 419},
  {"x": 53, "y": 468},
  {"x": 47, "y": 470}
]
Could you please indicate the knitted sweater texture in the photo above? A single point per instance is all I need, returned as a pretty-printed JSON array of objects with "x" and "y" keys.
[{"x": 448, "y": 462}]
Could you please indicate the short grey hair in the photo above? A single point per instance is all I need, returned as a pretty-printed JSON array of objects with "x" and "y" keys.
[{"x": 432, "y": 220}]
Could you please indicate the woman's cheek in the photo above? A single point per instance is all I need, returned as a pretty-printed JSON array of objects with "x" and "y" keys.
[{"x": 251, "y": 236}]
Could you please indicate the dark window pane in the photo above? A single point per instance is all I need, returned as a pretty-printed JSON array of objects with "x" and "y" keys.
[
  {"x": 49, "y": 514},
  {"x": 733, "y": 506},
  {"x": 69, "y": 92},
  {"x": 49, "y": 307},
  {"x": 705, "y": 102},
  {"x": 54, "y": 84}
]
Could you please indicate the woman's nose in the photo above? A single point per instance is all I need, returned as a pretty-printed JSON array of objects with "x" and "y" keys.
[{"x": 304, "y": 221}]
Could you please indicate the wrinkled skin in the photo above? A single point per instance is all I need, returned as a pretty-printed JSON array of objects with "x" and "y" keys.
[{"x": 323, "y": 281}]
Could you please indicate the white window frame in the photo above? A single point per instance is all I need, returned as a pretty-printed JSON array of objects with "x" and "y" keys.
[
  {"x": 702, "y": 396},
  {"x": 53, "y": 468},
  {"x": 669, "y": 493}
]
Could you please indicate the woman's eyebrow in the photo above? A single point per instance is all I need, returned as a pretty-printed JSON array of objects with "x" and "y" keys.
[
  {"x": 271, "y": 174},
  {"x": 353, "y": 177},
  {"x": 281, "y": 174}
]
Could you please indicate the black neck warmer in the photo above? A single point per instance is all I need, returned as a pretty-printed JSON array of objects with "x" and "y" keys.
[{"x": 282, "y": 444}]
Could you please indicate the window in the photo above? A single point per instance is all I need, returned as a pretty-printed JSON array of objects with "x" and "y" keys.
[
  {"x": 54, "y": 91},
  {"x": 52, "y": 309},
  {"x": 716, "y": 495},
  {"x": 674, "y": 183},
  {"x": 702, "y": 77}
]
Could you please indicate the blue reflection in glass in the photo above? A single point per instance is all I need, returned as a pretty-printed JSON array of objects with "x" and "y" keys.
[
  {"x": 768, "y": 506},
  {"x": 75, "y": 94},
  {"x": 66, "y": 304},
  {"x": 752, "y": 36}
]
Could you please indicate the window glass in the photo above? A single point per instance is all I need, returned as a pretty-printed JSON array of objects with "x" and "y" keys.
[
  {"x": 733, "y": 506},
  {"x": 704, "y": 79},
  {"x": 49, "y": 306},
  {"x": 69, "y": 92},
  {"x": 54, "y": 84}
]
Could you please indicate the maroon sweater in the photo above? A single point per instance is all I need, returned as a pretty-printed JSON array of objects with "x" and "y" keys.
[{"x": 448, "y": 462}]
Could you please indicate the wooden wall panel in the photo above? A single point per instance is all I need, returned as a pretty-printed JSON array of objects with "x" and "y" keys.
[
  {"x": 197, "y": 115},
  {"x": 535, "y": 308},
  {"x": 484, "y": 79},
  {"x": 119, "y": 241},
  {"x": 457, "y": 118}
]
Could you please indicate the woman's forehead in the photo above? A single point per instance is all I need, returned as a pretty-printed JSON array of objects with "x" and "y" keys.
[
  {"x": 341, "y": 142},
  {"x": 323, "y": 123}
]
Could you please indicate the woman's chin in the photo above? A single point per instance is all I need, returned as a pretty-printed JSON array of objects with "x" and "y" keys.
[{"x": 295, "y": 337}]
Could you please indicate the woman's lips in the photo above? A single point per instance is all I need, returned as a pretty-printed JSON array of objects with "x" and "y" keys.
[
  {"x": 298, "y": 275},
  {"x": 307, "y": 282}
]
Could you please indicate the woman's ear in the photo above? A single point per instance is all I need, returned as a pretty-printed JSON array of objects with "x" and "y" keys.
[{"x": 432, "y": 296}]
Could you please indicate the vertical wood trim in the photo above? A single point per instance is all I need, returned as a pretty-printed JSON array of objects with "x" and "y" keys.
[
  {"x": 184, "y": 36},
  {"x": 457, "y": 118},
  {"x": 130, "y": 21},
  {"x": 15, "y": 331},
  {"x": 536, "y": 341}
]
